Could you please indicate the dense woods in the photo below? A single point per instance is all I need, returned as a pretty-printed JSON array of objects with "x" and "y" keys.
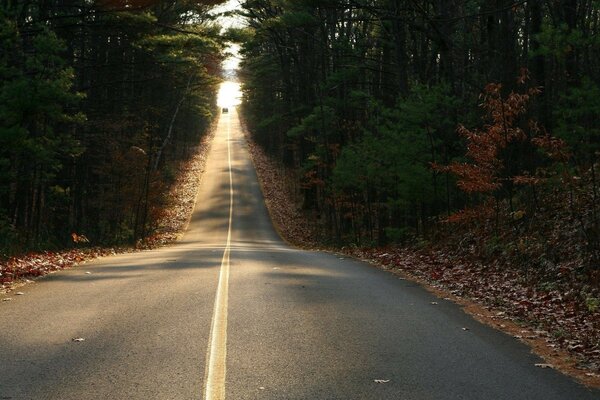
[
  {"x": 99, "y": 102},
  {"x": 454, "y": 142},
  {"x": 408, "y": 120}
]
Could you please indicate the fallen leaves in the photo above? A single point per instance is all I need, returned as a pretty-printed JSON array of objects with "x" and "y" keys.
[
  {"x": 281, "y": 199},
  {"x": 174, "y": 220},
  {"x": 560, "y": 313},
  {"x": 557, "y": 315},
  {"x": 544, "y": 365},
  {"x": 33, "y": 265},
  {"x": 174, "y": 217}
]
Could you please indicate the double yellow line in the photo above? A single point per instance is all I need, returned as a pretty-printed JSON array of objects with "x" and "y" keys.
[{"x": 214, "y": 380}]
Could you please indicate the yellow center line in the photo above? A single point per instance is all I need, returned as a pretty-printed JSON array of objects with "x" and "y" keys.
[{"x": 214, "y": 382}]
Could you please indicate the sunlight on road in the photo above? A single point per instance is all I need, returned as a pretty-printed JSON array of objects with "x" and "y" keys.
[{"x": 229, "y": 94}]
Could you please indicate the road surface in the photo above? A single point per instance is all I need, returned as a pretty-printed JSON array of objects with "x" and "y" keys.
[{"x": 232, "y": 312}]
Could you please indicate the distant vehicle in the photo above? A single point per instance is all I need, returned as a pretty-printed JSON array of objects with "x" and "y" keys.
[{"x": 225, "y": 110}]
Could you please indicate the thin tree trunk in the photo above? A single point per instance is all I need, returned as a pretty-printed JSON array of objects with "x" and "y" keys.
[{"x": 171, "y": 124}]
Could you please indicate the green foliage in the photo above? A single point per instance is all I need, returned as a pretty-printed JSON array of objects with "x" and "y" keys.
[
  {"x": 292, "y": 19},
  {"x": 37, "y": 118},
  {"x": 558, "y": 41},
  {"x": 321, "y": 121},
  {"x": 394, "y": 155},
  {"x": 577, "y": 119},
  {"x": 186, "y": 47},
  {"x": 359, "y": 101},
  {"x": 399, "y": 235},
  {"x": 87, "y": 97},
  {"x": 593, "y": 304}
]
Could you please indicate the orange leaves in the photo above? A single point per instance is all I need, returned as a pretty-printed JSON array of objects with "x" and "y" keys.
[
  {"x": 484, "y": 146},
  {"x": 480, "y": 176},
  {"x": 554, "y": 147},
  {"x": 38, "y": 264},
  {"x": 505, "y": 111},
  {"x": 523, "y": 76},
  {"x": 471, "y": 214},
  {"x": 489, "y": 148},
  {"x": 526, "y": 180},
  {"x": 474, "y": 178},
  {"x": 79, "y": 238}
]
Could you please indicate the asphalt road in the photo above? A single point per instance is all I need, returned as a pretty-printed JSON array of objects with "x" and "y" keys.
[{"x": 232, "y": 312}]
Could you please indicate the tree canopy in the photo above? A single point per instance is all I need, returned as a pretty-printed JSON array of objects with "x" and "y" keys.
[
  {"x": 400, "y": 115},
  {"x": 98, "y": 102}
]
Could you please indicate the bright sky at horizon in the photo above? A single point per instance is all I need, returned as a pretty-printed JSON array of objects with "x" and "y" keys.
[
  {"x": 230, "y": 21},
  {"x": 229, "y": 92},
  {"x": 229, "y": 95}
]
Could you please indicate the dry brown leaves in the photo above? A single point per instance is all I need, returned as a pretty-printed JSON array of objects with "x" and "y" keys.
[
  {"x": 555, "y": 322},
  {"x": 176, "y": 215},
  {"x": 174, "y": 219},
  {"x": 285, "y": 211},
  {"x": 556, "y": 317},
  {"x": 17, "y": 270}
]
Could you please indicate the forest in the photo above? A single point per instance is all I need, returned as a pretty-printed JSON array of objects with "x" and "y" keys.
[
  {"x": 99, "y": 103},
  {"x": 453, "y": 143},
  {"x": 467, "y": 122}
]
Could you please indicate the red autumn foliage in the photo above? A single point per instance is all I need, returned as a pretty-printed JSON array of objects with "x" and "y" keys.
[
  {"x": 554, "y": 147},
  {"x": 534, "y": 281},
  {"x": 472, "y": 214},
  {"x": 526, "y": 179},
  {"x": 486, "y": 173}
]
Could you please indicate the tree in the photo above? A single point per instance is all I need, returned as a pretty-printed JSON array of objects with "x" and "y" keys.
[{"x": 79, "y": 111}]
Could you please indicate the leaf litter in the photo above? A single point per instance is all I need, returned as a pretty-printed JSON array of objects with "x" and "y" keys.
[
  {"x": 562, "y": 317},
  {"x": 173, "y": 219}
]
